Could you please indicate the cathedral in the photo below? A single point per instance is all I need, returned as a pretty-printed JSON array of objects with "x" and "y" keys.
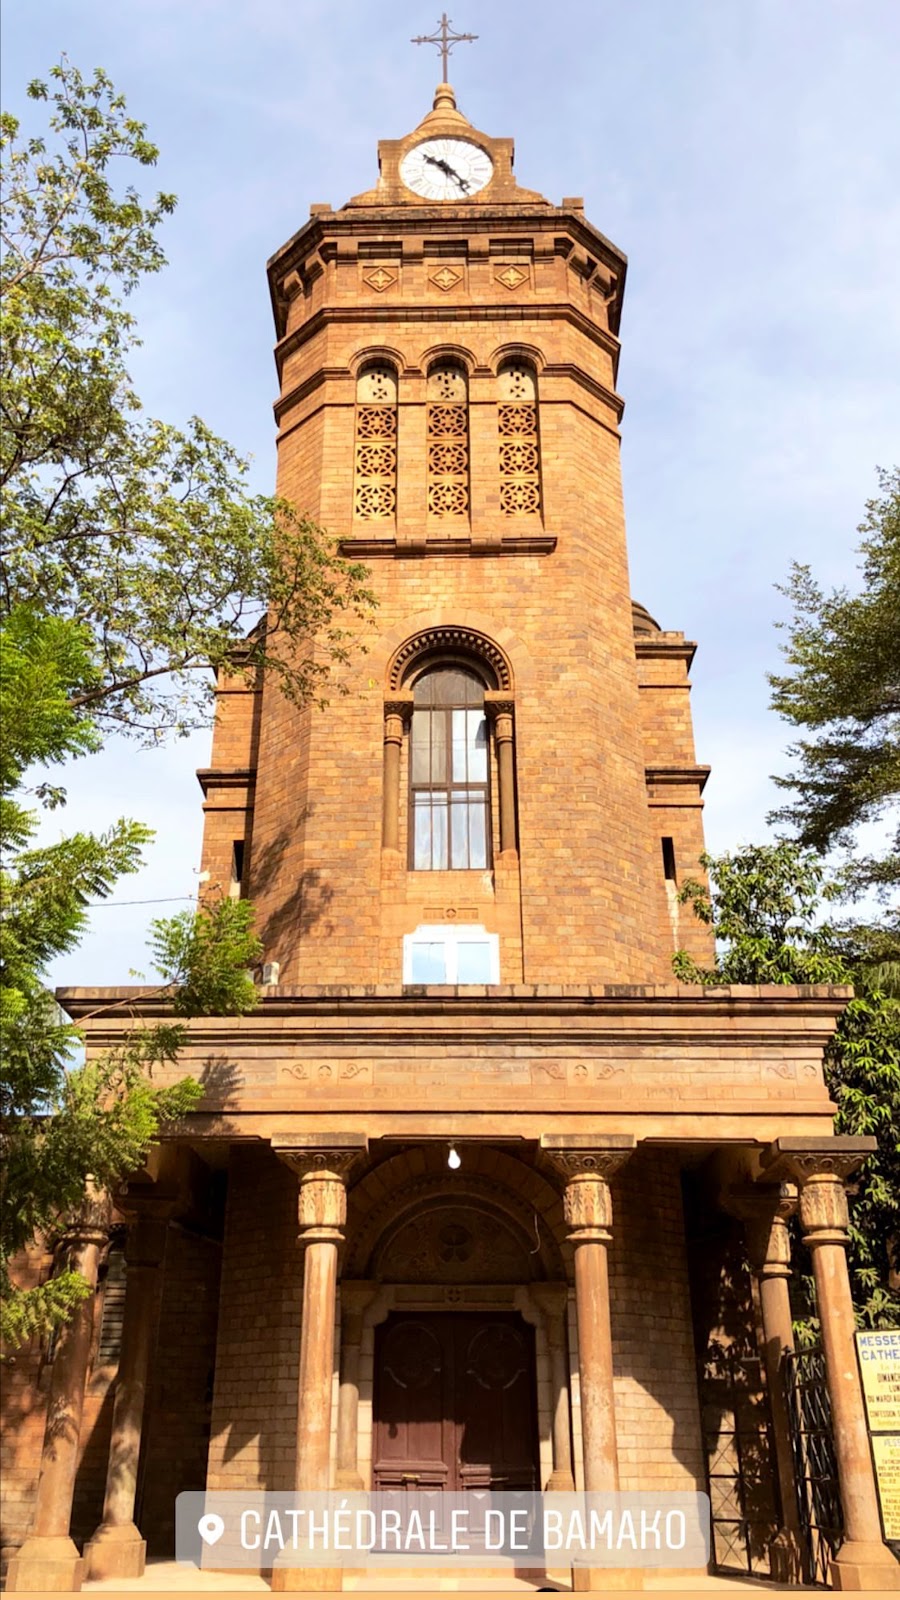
[{"x": 479, "y": 1195}]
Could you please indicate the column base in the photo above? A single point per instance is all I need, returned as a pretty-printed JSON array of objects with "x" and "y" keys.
[
  {"x": 588, "y": 1579},
  {"x": 116, "y": 1552},
  {"x": 320, "y": 1580},
  {"x": 46, "y": 1565},
  {"x": 864, "y": 1566},
  {"x": 347, "y": 1479},
  {"x": 786, "y": 1558},
  {"x": 559, "y": 1483}
]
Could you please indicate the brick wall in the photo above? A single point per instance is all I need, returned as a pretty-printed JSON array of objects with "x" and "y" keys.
[
  {"x": 179, "y": 1397},
  {"x": 657, "y": 1412},
  {"x": 254, "y": 1414}
]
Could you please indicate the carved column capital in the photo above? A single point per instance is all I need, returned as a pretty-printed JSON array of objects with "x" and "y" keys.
[
  {"x": 764, "y": 1209},
  {"x": 89, "y": 1222},
  {"x": 397, "y": 712},
  {"x": 587, "y": 1171},
  {"x": 500, "y": 707},
  {"x": 357, "y": 1295},
  {"x": 821, "y": 1171},
  {"x": 323, "y": 1173}
]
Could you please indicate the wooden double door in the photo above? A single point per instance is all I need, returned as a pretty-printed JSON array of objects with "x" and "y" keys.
[{"x": 455, "y": 1402}]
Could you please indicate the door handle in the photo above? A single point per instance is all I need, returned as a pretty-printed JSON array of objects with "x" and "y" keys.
[{"x": 409, "y": 1477}]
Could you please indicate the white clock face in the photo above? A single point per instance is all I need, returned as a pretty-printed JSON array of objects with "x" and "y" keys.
[{"x": 446, "y": 169}]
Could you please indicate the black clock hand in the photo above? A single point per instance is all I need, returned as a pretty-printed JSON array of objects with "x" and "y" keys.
[{"x": 445, "y": 167}]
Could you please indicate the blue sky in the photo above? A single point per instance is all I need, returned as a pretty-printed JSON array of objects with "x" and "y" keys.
[{"x": 744, "y": 153}]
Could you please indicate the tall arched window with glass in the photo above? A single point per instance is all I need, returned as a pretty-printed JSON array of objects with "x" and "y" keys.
[
  {"x": 449, "y": 784},
  {"x": 448, "y": 441},
  {"x": 376, "y": 442},
  {"x": 520, "y": 453}
]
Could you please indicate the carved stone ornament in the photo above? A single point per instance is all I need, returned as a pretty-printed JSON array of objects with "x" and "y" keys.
[
  {"x": 823, "y": 1210},
  {"x": 322, "y": 1192},
  {"x": 764, "y": 1209},
  {"x": 380, "y": 278},
  {"x": 602, "y": 1164},
  {"x": 500, "y": 708},
  {"x": 88, "y": 1222},
  {"x": 587, "y": 1206},
  {"x": 587, "y": 1202},
  {"x": 449, "y": 640},
  {"x": 397, "y": 712},
  {"x": 446, "y": 278},
  {"x": 456, "y": 1243}
]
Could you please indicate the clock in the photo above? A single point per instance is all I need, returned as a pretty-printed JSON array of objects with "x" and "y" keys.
[{"x": 446, "y": 169}]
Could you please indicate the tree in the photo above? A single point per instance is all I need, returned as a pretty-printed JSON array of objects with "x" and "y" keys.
[
  {"x": 144, "y": 533},
  {"x": 765, "y": 905},
  {"x": 134, "y": 561},
  {"x": 61, "y": 1123},
  {"x": 843, "y": 652}
]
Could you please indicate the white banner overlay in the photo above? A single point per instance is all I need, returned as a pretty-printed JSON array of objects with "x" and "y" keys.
[{"x": 424, "y": 1528}]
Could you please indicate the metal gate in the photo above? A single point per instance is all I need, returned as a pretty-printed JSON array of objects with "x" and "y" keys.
[
  {"x": 815, "y": 1464},
  {"x": 739, "y": 1460}
]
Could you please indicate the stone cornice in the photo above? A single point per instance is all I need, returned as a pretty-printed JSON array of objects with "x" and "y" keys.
[
  {"x": 767, "y": 1017},
  {"x": 695, "y": 775},
  {"x": 661, "y": 646},
  {"x": 375, "y": 316},
  {"x": 378, "y": 222},
  {"x": 525, "y": 544},
  {"x": 225, "y": 778}
]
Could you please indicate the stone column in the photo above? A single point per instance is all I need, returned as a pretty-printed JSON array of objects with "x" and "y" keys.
[
  {"x": 355, "y": 1297},
  {"x": 764, "y": 1210},
  {"x": 499, "y": 708},
  {"x": 321, "y": 1213},
  {"x": 821, "y": 1168},
  {"x": 117, "y": 1549},
  {"x": 397, "y": 712},
  {"x": 49, "y": 1559},
  {"x": 553, "y": 1300},
  {"x": 587, "y": 1204}
]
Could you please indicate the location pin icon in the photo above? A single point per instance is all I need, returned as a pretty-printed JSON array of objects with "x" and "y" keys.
[{"x": 210, "y": 1528}]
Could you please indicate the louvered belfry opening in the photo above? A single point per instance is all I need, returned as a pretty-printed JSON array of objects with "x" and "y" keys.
[
  {"x": 448, "y": 441},
  {"x": 517, "y": 425},
  {"x": 376, "y": 443}
]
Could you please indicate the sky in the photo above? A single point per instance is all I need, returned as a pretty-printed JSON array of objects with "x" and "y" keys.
[{"x": 745, "y": 154}]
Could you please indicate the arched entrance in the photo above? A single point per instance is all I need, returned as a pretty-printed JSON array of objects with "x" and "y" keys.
[{"x": 453, "y": 1339}]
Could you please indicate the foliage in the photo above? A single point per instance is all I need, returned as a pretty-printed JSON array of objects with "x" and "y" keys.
[
  {"x": 134, "y": 560},
  {"x": 143, "y": 533},
  {"x": 59, "y": 1122},
  {"x": 206, "y": 958},
  {"x": 843, "y": 684},
  {"x": 765, "y": 908}
]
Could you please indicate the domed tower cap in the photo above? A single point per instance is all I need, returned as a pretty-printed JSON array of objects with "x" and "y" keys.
[{"x": 641, "y": 620}]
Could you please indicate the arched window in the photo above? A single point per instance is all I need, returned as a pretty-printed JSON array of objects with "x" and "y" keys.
[
  {"x": 449, "y": 788},
  {"x": 376, "y": 442},
  {"x": 520, "y": 455},
  {"x": 448, "y": 441}
]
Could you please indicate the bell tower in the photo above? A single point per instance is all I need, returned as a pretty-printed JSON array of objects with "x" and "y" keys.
[{"x": 506, "y": 791}]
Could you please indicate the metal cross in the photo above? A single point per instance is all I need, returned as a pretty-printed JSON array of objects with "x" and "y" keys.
[{"x": 445, "y": 39}]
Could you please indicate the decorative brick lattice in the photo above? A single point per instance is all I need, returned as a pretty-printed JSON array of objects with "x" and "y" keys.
[
  {"x": 376, "y": 443},
  {"x": 517, "y": 424},
  {"x": 448, "y": 442}
]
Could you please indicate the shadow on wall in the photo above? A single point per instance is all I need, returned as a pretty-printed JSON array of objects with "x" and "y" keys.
[
  {"x": 288, "y": 917},
  {"x": 254, "y": 1411},
  {"x": 733, "y": 1401},
  {"x": 221, "y": 1080}
]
